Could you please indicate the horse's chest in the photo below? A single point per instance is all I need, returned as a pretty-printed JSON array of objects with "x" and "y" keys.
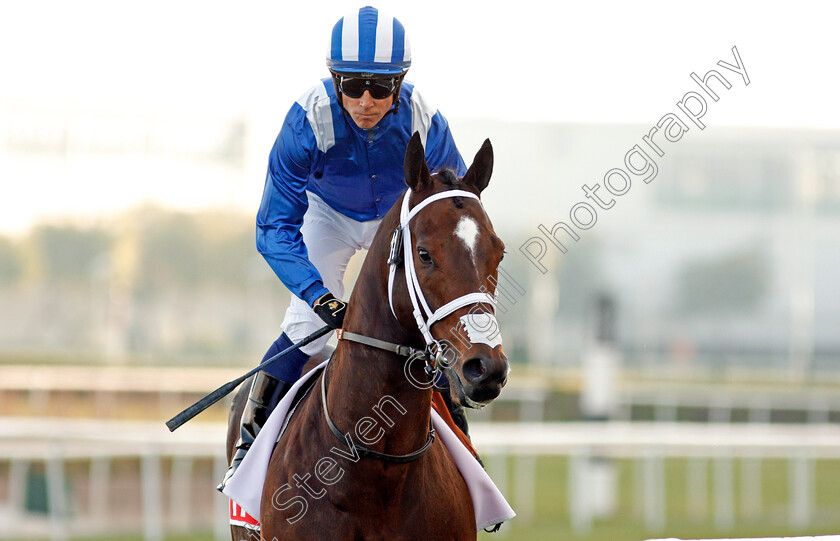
[{"x": 425, "y": 505}]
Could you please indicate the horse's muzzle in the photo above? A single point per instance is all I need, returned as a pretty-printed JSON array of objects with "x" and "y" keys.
[{"x": 484, "y": 376}]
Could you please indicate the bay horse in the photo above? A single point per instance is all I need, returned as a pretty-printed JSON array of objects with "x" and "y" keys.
[{"x": 431, "y": 267}]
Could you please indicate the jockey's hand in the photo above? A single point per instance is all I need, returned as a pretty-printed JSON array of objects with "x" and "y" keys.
[{"x": 331, "y": 310}]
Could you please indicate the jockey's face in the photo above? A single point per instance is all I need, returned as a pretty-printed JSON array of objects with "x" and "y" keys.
[{"x": 366, "y": 111}]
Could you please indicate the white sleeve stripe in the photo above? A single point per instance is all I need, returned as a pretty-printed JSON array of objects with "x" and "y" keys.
[
  {"x": 316, "y": 103},
  {"x": 421, "y": 116}
]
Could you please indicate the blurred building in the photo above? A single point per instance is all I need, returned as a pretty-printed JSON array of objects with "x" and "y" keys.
[{"x": 725, "y": 257}]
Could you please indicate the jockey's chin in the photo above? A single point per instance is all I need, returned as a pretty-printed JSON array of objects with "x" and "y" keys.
[{"x": 366, "y": 111}]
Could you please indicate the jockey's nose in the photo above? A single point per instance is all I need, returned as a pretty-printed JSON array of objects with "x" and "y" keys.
[{"x": 366, "y": 99}]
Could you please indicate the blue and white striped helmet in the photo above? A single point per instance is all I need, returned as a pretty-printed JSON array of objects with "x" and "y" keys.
[{"x": 369, "y": 41}]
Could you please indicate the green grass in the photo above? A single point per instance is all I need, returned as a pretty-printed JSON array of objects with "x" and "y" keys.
[{"x": 551, "y": 520}]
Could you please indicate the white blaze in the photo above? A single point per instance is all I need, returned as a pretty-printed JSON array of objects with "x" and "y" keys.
[{"x": 467, "y": 231}]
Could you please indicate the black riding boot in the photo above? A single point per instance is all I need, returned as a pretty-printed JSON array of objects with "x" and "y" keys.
[{"x": 266, "y": 392}]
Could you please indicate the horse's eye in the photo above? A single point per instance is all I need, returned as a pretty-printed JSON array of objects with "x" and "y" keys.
[
  {"x": 503, "y": 255},
  {"x": 424, "y": 256}
]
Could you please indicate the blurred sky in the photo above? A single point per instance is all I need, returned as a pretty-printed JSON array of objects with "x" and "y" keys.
[{"x": 525, "y": 61}]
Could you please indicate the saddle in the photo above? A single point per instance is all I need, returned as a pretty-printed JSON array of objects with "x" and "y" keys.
[{"x": 300, "y": 395}]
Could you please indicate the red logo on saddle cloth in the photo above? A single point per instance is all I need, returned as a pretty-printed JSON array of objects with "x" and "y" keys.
[{"x": 238, "y": 517}]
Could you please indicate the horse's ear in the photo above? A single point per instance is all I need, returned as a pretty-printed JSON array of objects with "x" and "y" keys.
[
  {"x": 416, "y": 169},
  {"x": 478, "y": 174}
]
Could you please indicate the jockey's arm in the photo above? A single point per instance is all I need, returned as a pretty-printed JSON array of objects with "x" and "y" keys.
[{"x": 283, "y": 205}]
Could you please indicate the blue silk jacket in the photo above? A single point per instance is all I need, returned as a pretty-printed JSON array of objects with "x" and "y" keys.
[{"x": 357, "y": 172}]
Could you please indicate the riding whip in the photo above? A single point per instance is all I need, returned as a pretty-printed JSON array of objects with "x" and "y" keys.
[{"x": 225, "y": 389}]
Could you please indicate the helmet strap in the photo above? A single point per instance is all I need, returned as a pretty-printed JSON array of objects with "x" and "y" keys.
[{"x": 397, "y": 88}]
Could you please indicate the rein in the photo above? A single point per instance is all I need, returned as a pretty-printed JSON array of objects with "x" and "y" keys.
[
  {"x": 364, "y": 451},
  {"x": 404, "y": 351},
  {"x": 429, "y": 369}
]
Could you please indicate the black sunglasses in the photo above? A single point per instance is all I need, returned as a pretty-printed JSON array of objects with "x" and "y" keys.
[{"x": 354, "y": 87}]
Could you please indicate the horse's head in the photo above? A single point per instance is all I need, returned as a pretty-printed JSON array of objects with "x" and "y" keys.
[{"x": 451, "y": 261}]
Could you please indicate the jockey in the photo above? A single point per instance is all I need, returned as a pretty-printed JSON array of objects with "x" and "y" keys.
[{"x": 335, "y": 169}]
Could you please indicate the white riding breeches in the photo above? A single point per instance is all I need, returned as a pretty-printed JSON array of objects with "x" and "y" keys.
[{"x": 331, "y": 239}]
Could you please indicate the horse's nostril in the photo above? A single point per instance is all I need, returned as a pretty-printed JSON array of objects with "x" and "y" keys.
[{"x": 474, "y": 369}]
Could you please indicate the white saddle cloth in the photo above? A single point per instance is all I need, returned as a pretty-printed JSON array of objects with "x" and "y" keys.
[{"x": 246, "y": 485}]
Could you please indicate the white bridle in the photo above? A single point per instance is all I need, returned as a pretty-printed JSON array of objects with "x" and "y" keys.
[{"x": 423, "y": 315}]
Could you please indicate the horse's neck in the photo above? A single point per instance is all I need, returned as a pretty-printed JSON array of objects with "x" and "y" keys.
[{"x": 369, "y": 383}]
